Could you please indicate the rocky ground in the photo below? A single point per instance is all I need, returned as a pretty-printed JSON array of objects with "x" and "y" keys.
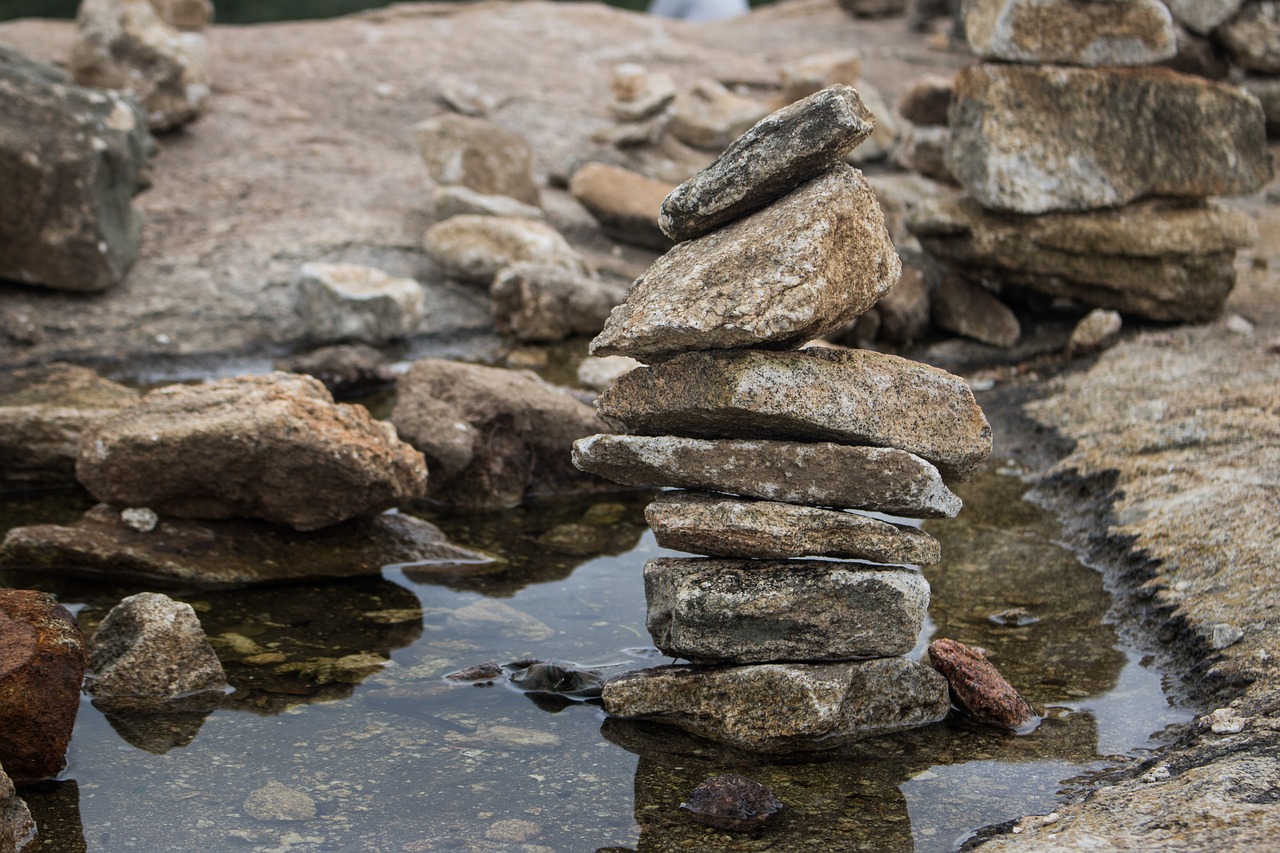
[{"x": 1171, "y": 438}]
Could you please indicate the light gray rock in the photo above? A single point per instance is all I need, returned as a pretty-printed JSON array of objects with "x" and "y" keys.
[
  {"x": 1204, "y": 16},
  {"x": 782, "y": 151},
  {"x": 599, "y": 373},
  {"x": 1096, "y": 330},
  {"x": 473, "y": 248},
  {"x": 814, "y": 474},
  {"x": 451, "y": 200},
  {"x": 1037, "y": 139},
  {"x": 67, "y": 219},
  {"x": 804, "y": 266},
  {"x": 17, "y": 828},
  {"x": 547, "y": 302},
  {"x": 185, "y": 14},
  {"x": 151, "y": 650},
  {"x": 638, "y": 93},
  {"x": 350, "y": 302},
  {"x": 817, "y": 394},
  {"x": 803, "y": 77},
  {"x": 1071, "y": 32},
  {"x": 1253, "y": 37},
  {"x": 760, "y": 611},
  {"x": 721, "y": 526},
  {"x": 884, "y": 138},
  {"x": 275, "y": 801},
  {"x": 477, "y": 154},
  {"x": 783, "y": 708},
  {"x": 124, "y": 45},
  {"x": 625, "y": 203},
  {"x": 709, "y": 116},
  {"x": 1163, "y": 260},
  {"x": 464, "y": 96},
  {"x": 969, "y": 309},
  {"x": 272, "y": 447}
]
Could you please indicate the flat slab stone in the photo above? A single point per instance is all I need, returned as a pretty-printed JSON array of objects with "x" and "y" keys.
[
  {"x": 722, "y": 526},
  {"x": 780, "y": 708},
  {"x": 1030, "y": 139},
  {"x": 1071, "y": 32},
  {"x": 757, "y": 611},
  {"x": 1163, "y": 260},
  {"x": 818, "y": 394},
  {"x": 782, "y": 151},
  {"x": 812, "y": 474},
  {"x": 798, "y": 269}
]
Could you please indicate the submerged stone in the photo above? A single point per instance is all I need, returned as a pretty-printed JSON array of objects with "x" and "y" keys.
[
  {"x": 733, "y": 802},
  {"x": 1070, "y": 32}
]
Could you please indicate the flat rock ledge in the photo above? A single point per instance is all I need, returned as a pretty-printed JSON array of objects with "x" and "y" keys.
[
  {"x": 782, "y": 708},
  {"x": 815, "y": 474}
]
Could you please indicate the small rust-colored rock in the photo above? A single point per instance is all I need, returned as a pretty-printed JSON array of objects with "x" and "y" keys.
[
  {"x": 487, "y": 671},
  {"x": 978, "y": 688},
  {"x": 731, "y": 801}
]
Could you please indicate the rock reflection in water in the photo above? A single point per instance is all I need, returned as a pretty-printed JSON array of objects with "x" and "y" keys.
[{"x": 55, "y": 806}]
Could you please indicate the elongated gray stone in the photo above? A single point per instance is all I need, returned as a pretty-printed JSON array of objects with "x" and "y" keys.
[
  {"x": 779, "y": 708},
  {"x": 758, "y": 611},
  {"x": 779, "y": 153},
  {"x": 819, "y": 394},
  {"x": 817, "y": 474},
  {"x": 723, "y": 526},
  {"x": 802, "y": 267},
  {"x": 1071, "y": 32}
]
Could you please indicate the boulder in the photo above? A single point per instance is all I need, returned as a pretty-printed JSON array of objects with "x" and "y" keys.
[
  {"x": 149, "y": 653},
  {"x": 926, "y": 100},
  {"x": 43, "y": 410},
  {"x": 1071, "y": 32},
  {"x": 547, "y": 302},
  {"x": 17, "y": 828},
  {"x": 759, "y": 611},
  {"x": 1253, "y": 37},
  {"x": 124, "y": 45},
  {"x": 493, "y": 436},
  {"x": 273, "y": 447},
  {"x": 1039, "y": 139},
  {"x": 185, "y": 14},
  {"x": 722, "y": 526},
  {"x": 477, "y": 154},
  {"x": 709, "y": 116},
  {"x": 42, "y": 662},
  {"x": 803, "y": 77},
  {"x": 1199, "y": 55},
  {"x": 1164, "y": 260},
  {"x": 817, "y": 394},
  {"x": 1204, "y": 16},
  {"x": 978, "y": 688},
  {"x": 784, "y": 707},
  {"x": 350, "y": 302},
  {"x": 971, "y": 310},
  {"x": 451, "y": 200},
  {"x": 187, "y": 552},
  {"x": 625, "y": 203},
  {"x": 73, "y": 158},
  {"x": 812, "y": 474},
  {"x": 781, "y": 152},
  {"x": 473, "y": 248},
  {"x": 804, "y": 266}
]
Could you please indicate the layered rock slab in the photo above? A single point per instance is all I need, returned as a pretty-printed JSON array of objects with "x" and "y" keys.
[
  {"x": 801, "y": 267},
  {"x": 1071, "y": 32},
  {"x": 759, "y": 611},
  {"x": 812, "y": 474},
  {"x": 780, "y": 708},
  {"x": 1029, "y": 139},
  {"x": 856, "y": 397},
  {"x": 722, "y": 526}
]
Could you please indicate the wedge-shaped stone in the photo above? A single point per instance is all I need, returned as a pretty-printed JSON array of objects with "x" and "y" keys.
[
  {"x": 731, "y": 527},
  {"x": 1071, "y": 32},
  {"x": 758, "y": 611},
  {"x": 1031, "y": 139},
  {"x": 1164, "y": 260},
  {"x": 804, "y": 266},
  {"x": 781, "y": 152},
  {"x": 778, "y": 708},
  {"x": 820, "y": 394},
  {"x": 817, "y": 474}
]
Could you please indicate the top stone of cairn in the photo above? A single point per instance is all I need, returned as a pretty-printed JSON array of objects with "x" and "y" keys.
[{"x": 1071, "y": 32}]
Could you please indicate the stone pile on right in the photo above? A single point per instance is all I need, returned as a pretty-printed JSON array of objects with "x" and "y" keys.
[
  {"x": 778, "y": 242},
  {"x": 1088, "y": 173}
]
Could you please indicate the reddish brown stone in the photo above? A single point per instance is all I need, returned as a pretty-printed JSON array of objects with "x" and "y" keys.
[
  {"x": 42, "y": 661},
  {"x": 978, "y": 688}
]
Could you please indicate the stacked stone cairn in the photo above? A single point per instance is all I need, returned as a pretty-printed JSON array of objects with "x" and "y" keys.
[
  {"x": 780, "y": 241},
  {"x": 1088, "y": 175}
]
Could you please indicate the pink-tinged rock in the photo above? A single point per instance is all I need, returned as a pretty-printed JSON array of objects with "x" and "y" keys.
[
  {"x": 978, "y": 688},
  {"x": 42, "y": 663}
]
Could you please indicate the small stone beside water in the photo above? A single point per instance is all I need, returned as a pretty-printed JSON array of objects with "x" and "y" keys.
[{"x": 978, "y": 688}]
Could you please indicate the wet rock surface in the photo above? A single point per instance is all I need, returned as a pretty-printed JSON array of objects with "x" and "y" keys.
[
  {"x": 731, "y": 801},
  {"x": 978, "y": 688}
]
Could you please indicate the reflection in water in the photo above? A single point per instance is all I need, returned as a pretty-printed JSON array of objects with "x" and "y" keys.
[{"x": 55, "y": 807}]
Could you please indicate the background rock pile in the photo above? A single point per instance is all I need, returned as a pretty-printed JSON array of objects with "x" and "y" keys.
[{"x": 778, "y": 242}]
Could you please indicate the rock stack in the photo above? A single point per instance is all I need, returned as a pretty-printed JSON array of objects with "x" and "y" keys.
[
  {"x": 1088, "y": 179},
  {"x": 778, "y": 242}
]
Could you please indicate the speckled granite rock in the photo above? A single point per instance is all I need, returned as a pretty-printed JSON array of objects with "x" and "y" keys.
[{"x": 1070, "y": 32}]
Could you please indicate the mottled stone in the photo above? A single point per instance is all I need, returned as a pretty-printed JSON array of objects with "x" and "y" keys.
[
  {"x": 924, "y": 150},
  {"x": 1096, "y": 330},
  {"x": 709, "y": 116},
  {"x": 272, "y": 447},
  {"x": 1037, "y": 139},
  {"x": 472, "y": 248},
  {"x": 781, "y": 152},
  {"x": 599, "y": 373},
  {"x": 274, "y": 801},
  {"x": 969, "y": 309},
  {"x": 802, "y": 77},
  {"x": 1253, "y": 37},
  {"x": 477, "y": 154},
  {"x": 1204, "y": 16},
  {"x": 625, "y": 203},
  {"x": 881, "y": 142},
  {"x": 638, "y": 93},
  {"x": 185, "y": 14},
  {"x": 42, "y": 662},
  {"x": 815, "y": 474},
  {"x": 804, "y": 266},
  {"x": 926, "y": 100},
  {"x": 451, "y": 200},
  {"x": 817, "y": 394},
  {"x": 1070, "y": 32},
  {"x": 783, "y": 708},
  {"x": 722, "y": 526},
  {"x": 1199, "y": 55},
  {"x": 758, "y": 611},
  {"x": 16, "y": 826},
  {"x": 733, "y": 802},
  {"x": 1163, "y": 260},
  {"x": 978, "y": 688},
  {"x": 350, "y": 302},
  {"x": 549, "y": 302}
]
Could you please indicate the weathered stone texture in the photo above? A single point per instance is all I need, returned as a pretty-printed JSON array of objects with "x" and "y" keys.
[
  {"x": 971, "y": 310},
  {"x": 16, "y": 826},
  {"x": 473, "y": 248},
  {"x": 550, "y": 302},
  {"x": 625, "y": 203},
  {"x": 1070, "y": 32},
  {"x": 350, "y": 302},
  {"x": 978, "y": 688},
  {"x": 477, "y": 154},
  {"x": 1253, "y": 37}
]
